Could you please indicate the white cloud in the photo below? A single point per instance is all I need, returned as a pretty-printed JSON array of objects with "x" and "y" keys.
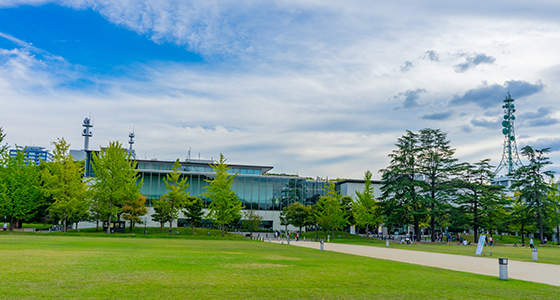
[{"x": 303, "y": 86}]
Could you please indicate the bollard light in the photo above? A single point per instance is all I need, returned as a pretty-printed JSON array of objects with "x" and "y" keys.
[
  {"x": 322, "y": 246},
  {"x": 387, "y": 244},
  {"x": 503, "y": 268},
  {"x": 535, "y": 254}
]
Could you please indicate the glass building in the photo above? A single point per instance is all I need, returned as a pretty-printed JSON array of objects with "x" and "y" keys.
[{"x": 254, "y": 188}]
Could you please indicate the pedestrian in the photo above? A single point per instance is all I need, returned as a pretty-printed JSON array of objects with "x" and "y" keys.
[
  {"x": 545, "y": 240},
  {"x": 448, "y": 238},
  {"x": 490, "y": 241},
  {"x": 407, "y": 239},
  {"x": 531, "y": 243},
  {"x": 5, "y": 226}
]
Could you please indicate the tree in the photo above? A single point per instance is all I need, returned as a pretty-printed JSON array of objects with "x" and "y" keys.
[
  {"x": 553, "y": 207},
  {"x": 365, "y": 209},
  {"x": 284, "y": 221},
  {"x": 63, "y": 180},
  {"x": 193, "y": 211},
  {"x": 521, "y": 218},
  {"x": 176, "y": 192},
  {"x": 297, "y": 215},
  {"x": 116, "y": 179},
  {"x": 252, "y": 221},
  {"x": 401, "y": 198},
  {"x": 20, "y": 190},
  {"x": 161, "y": 212},
  {"x": 531, "y": 182},
  {"x": 437, "y": 165},
  {"x": 134, "y": 209},
  {"x": 225, "y": 207},
  {"x": 330, "y": 214},
  {"x": 476, "y": 196}
]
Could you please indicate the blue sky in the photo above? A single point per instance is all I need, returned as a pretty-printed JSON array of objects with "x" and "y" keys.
[{"x": 317, "y": 88}]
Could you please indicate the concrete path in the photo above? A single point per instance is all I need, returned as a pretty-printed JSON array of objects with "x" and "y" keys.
[{"x": 528, "y": 271}]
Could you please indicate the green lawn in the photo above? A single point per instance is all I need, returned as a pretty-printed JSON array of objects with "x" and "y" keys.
[
  {"x": 547, "y": 253},
  {"x": 55, "y": 266}
]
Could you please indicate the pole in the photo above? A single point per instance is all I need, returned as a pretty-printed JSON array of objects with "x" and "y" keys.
[{"x": 145, "y": 221}]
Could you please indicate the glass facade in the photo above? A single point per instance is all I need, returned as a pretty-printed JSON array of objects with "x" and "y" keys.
[
  {"x": 34, "y": 154},
  {"x": 256, "y": 191}
]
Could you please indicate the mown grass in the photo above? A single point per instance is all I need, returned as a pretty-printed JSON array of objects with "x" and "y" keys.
[{"x": 46, "y": 266}]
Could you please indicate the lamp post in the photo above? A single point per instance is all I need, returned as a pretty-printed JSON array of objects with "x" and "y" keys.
[{"x": 145, "y": 221}]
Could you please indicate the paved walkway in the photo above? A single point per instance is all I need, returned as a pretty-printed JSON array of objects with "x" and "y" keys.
[{"x": 528, "y": 271}]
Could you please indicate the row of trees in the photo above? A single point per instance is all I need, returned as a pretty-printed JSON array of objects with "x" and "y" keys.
[
  {"x": 59, "y": 189},
  {"x": 425, "y": 183}
]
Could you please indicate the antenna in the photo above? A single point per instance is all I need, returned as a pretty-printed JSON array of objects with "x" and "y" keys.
[
  {"x": 510, "y": 158},
  {"x": 87, "y": 133},
  {"x": 131, "y": 142}
]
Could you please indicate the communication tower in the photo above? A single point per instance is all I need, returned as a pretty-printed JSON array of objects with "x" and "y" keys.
[
  {"x": 131, "y": 142},
  {"x": 510, "y": 158},
  {"x": 87, "y": 133}
]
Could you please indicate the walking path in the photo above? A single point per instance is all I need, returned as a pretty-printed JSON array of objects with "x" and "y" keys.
[{"x": 527, "y": 271}]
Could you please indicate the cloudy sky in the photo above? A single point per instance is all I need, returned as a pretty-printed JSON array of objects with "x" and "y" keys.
[{"x": 315, "y": 88}]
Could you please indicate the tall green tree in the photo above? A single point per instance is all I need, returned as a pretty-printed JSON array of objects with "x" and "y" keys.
[
  {"x": 330, "y": 213},
  {"x": 63, "y": 180},
  {"x": 437, "y": 165},
  {"x": 116, "y": 179},
  {"x": 297, "y": 215},
  {"x": 134, "y": 209},
  {"x": 193, "y": 211},
  {"x": 225, "y": 207},
  {"x": 476, "y": 196},
  {"x": 531, "y": 182},
  {"x": 401, "y": 193},
  {"x": 20, "y": 189},
  {"x": 365, "y": 209},
  {"x": 177, "y": 194}
]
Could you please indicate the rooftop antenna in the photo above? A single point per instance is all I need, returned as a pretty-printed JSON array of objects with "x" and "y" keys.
[
  {"x": 510, "y": 158},
  {"x": 131, "y": 142},
  {"x": 87, "y": 133}
]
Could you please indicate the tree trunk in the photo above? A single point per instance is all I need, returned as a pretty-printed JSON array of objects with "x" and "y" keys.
[
  {"x": 109, "y": 218},
  {"x": 522, "y": 234},
  {"x": 64, "y": 225},
  {"x": 417, "y": 227},
  {"x": 223, "y": 230},
  {"x": 171, "y": 222},
  {"x": 97, "y": 225},
  {"x": 541, "y": 233},
  {"x": 161, "y": 226},
  {"x": 11, "y": 227},
  {"x": 367, "y": 232},
  {"x": 192, "y": 227},
  {"x": 77, "y": 225},
  {"x": 475, "y": 223},
  {"x": 130, "y": 225},
  {"x": 432, "y": 223}
]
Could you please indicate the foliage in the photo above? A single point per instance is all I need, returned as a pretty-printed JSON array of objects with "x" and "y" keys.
[
  {"x": 365, "y": 209},
  {"x": 476, "y": 196},
  {"x": 20, "y": 190},
  {"x": 437, "y": 165},
  {"x": 176, "y": 193},
  {"x": 252, "y": 221},
  {"x": 161, "y": 212},
  {"x": 225, "y": 207},
  {"x": 401, "y": 198},
  {"x": 193, "y": 211},
  {"x": 531, "y": 182},
  {"x": 134, "y": 209},
  {"x": 63, "y": 180},
  {"x": 330, "y": 215},
  {"x": 116, "y": 179},
  {"x": 553, "y": 208},
  {"x": 297, "y": 215}
]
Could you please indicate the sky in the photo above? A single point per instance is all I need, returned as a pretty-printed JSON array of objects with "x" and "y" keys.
[{"x": 314, "y": 88}]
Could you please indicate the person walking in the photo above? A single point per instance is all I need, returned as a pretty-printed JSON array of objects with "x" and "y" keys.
[
  {"x": 5, "y": 226},
  {"x": 531, "y": 243}
]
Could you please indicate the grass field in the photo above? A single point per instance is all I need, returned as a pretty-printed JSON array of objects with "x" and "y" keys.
[{"x": 54, "y": 266}]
